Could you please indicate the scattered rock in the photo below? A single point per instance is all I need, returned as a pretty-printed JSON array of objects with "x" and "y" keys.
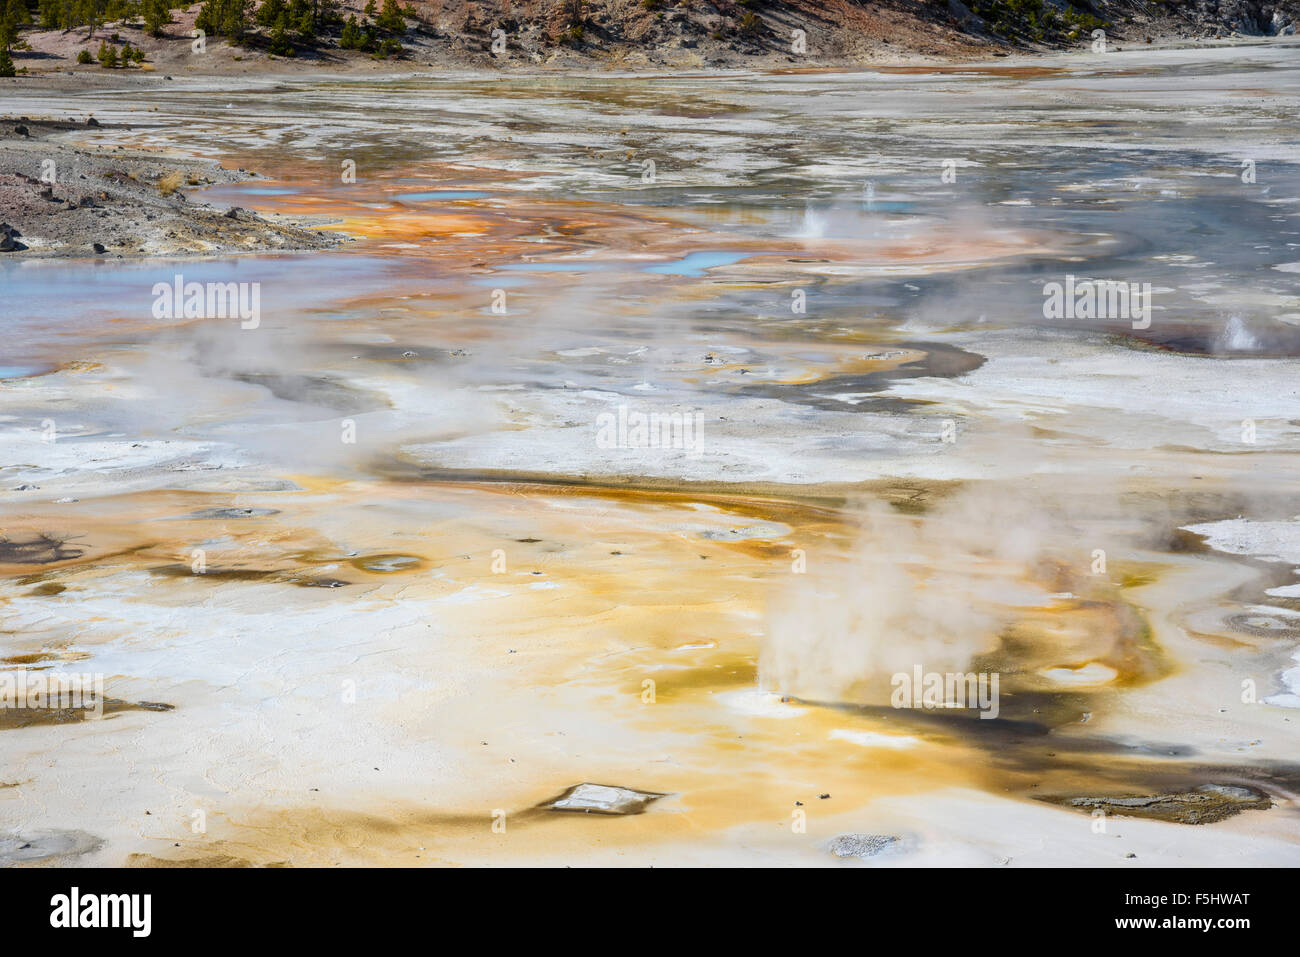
[{"x": 98, "y": 248}]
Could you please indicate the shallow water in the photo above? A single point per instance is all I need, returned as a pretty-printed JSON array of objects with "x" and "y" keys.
[{"x": 898, "y": 461}]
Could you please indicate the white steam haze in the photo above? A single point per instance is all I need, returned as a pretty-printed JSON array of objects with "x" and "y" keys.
[{"x": 933, "y": 591}]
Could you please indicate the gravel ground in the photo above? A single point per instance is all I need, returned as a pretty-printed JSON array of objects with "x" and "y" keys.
[{"x": 58, "y": 199}]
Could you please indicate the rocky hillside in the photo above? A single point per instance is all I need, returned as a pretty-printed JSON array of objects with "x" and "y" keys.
[{"x": 243, "y": 35}]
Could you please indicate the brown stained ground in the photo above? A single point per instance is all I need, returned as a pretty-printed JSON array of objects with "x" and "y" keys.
[
  {"x": 622, "y": 588},
  {"x": 542, "y": 688}
]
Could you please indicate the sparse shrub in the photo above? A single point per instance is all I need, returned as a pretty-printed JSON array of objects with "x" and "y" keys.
[
  {"x": 168, "y": 183},
  {"x": 84, "y": 57}
]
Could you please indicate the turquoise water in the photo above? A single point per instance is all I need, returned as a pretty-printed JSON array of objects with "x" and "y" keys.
[
  {"x": 556, "y": 267},
  {"x": 20, "y": 372},
  {"x": 694, "y": 264},
  {"x": 51, "y": 302},
  {"x": 442, "y": 194}
]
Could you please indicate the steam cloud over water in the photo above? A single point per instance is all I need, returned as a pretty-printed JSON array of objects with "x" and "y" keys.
[{"x": 933, "y": 593}]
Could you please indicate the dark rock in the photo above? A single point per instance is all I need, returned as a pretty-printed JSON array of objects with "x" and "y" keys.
[
  {"x": 91, "y": 121},
  {"x": 98, "y": 247},
  {"x": 21, "y": 130}
]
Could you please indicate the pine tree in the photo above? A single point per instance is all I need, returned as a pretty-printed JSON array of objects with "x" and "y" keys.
[
  {"x": 6, "y": 62},
  {"x": 12, "y": 15},
  {"x": 391, "y": 18},
  {"x": 157, "y": 14},
  {"x": 351, "y": 38},
  {"x": 269, "y": 12},
  {"x": 227, "y": 18},
  {"x": 88, "y": 12},
  {"x": 279, "y": 45}
]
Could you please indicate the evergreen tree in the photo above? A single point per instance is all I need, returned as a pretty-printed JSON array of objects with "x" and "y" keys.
[
  {"x": 391, "y": 18},
  {"x": 279, "y": 41},
  {"x": 6, "y": 62},
  {"x": 269, "y": 12},
  {"x": 157, "y": 14},
  {"x": 8, "y": 31},
  {"x": 351, "y": 38},
  {"x": 88, "y": 12},
  {"x": 52, "y": 14},
  {"x": 15, "y": 12},
  {"x": 225, "y": 18}
]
